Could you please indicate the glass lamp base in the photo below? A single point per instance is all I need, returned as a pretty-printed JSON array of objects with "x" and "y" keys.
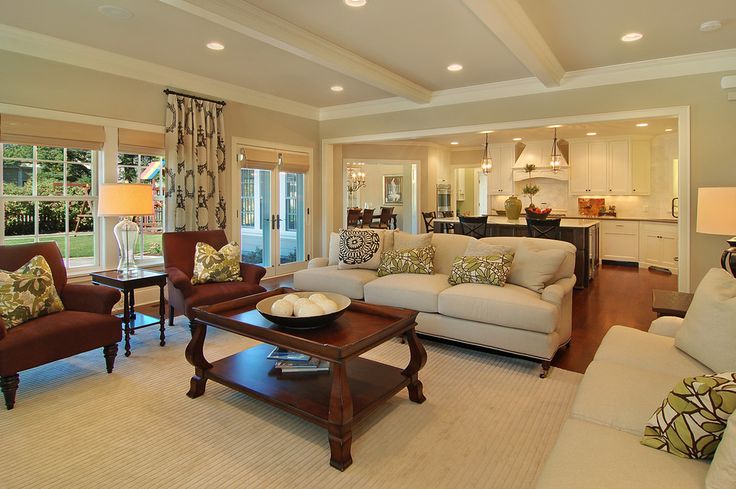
[{"x": 126, "y": 234}]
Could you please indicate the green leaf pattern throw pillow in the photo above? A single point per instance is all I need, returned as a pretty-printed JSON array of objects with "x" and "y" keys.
[
  {"x": 28, "y": 293},
  {"x": 211, "y": 265},
  {"x": 412, "y": 260},
  {"x": 491, "y": 269},
  {"x": 691, "y": 420}
]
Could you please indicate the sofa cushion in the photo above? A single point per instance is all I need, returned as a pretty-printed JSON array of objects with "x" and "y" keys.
[
  {"x": 449, "y": 246},
  {"x": 708, "y": 332},
  {"x": 56, "y": 336},
  {"x": 691, "y": 419},
  {"x": 403, "y": 241},
  {"x": 588, "y": 456},
  {"x": 211, "y": 265},
  {"x": 418, "y": 292},
  {"x": 410, "y": 260},
  {"x": 722, "y": 472},
  {"x": 360, "y": 248},
  {"x": 491, "y": 270},
  {"x": 567, "y": 269},
  {"x": 479, "y": 248},
  {"x": 629, "y": 346},
  {"x": 535, "y": 266},
  {"x": 333, "y": 256},
  {"x": 621, "y": 396},
  {"x": 330, "y": 279},
  {"x": 511, "y": 306}
]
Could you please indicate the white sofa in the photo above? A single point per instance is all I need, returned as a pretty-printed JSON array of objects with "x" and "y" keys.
[
  {"x": 598, "y": 446},
  {"x": 512, "y": 319}
]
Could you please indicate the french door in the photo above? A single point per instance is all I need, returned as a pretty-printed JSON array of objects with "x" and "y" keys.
[{"x": 273, "y": 220}]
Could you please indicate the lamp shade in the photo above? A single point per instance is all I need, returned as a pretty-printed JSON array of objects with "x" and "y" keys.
[
  {"x": 717, "y": 210},
  {"x": 125, "y": 199}
]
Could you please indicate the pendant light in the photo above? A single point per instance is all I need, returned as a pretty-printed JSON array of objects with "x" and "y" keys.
[
  {"x": 486, "y": 163},
  {"x": 554, "y": 160}
]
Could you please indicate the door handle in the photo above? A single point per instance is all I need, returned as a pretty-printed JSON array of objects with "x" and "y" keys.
[
  {"x": 278, "y": 222},
  {"x": 273, "y": 222}
]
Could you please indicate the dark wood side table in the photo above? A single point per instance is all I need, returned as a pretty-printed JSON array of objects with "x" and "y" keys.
[
  {"x": 127, "y": 283},
  {"x": 670, "y": 302}
]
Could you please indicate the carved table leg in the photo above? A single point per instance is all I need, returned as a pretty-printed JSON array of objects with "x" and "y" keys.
[
  {"x": 171, "y": 315},
  {"x": 126, "y": 322},
  {"x": 417, "y": 360},
  {"x": 132, "y": 308},
  {"x": 195, "y": 356},
  {"x": 110, "y": 352},
  {"x": 162, "y": 316},
  {"x": 9, "y": 385},
  {"x": 340, "y": 419}
]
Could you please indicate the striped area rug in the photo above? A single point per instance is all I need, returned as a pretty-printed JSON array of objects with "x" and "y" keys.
[{"x": 489, "y": 421}]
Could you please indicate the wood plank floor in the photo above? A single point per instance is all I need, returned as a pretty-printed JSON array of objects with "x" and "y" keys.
[{"x": 619, "y": 295}]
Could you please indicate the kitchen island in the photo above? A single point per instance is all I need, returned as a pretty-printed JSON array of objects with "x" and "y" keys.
[{"x": 582, "y": 233}]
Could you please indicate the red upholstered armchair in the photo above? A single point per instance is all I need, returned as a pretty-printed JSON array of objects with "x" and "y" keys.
[
  {"x": 85, "y": 323},
  {"x": 179, "y": 262}
]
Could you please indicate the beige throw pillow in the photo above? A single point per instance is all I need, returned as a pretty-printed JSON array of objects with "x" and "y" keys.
[
  {"x": 708, "y": 332},
  {"x": 534, "y": 268},
  {"x": 722, "y": 472},
  {"x": 360, "y": 248},
  {"x": 406, "y": 241},
  {"x": 477, "y": 248}
]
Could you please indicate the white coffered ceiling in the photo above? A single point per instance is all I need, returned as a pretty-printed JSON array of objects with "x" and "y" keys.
[{"x": 294, "y": 51}]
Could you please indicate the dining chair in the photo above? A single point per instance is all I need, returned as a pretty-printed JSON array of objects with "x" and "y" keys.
[
  {"x": 475, "y": 226},
  {"x": 367, "y": 218},
  {"x": 429, "y": 221},
  {"x": 354, "y": 217},
  {"x": 384, "y": 218},
  {"x": 543, "y": 228}
]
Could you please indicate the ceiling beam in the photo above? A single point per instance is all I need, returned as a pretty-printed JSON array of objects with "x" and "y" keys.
[
  {"x": 513, "y": 27},
  {"x": 256, "y": 23}
]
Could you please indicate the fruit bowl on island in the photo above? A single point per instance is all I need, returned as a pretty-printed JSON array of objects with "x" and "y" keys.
[
  {"x": 303, "y": 310},
  {"x": 537, "y": 212}
]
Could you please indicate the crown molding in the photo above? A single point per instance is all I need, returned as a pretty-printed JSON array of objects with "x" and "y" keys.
[
  {"x": 690, "y": 64},
  {"x": 59, "y": 50}
]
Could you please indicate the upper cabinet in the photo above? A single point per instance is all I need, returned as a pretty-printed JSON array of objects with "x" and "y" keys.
[
  {"x": 610, "y": 167},
  {"x": 500, "y": 181}
]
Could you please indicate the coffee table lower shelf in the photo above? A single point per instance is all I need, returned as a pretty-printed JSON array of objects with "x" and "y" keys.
[{"x": 306, "y": 395}]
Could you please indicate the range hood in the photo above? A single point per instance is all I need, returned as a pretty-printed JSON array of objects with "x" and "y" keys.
[{"x": 542, "y": 172}]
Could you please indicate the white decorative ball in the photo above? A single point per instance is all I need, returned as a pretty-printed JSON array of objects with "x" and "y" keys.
[
  {"x": 282, "y": 308},
  {"x": 317, "y": 298},
  {"x": 310, "y": 309},
  {"x": 301, "y": 302},
  {"x": 291, "y": 298},
  {"x": 328, "y": 306}
]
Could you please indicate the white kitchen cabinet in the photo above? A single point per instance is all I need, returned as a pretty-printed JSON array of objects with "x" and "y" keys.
[
  {"x": 641, "y": 167},
  {"x": 658, "y": 245},
  {"x": 500, "y": 180},
  {"x": 460, "y": 183},
  {"x": 618, "y": 168},
  {"x": 620, "y": 241},
  {"x": 532, "y": 155},
  {"x": 588, "y": 168}
]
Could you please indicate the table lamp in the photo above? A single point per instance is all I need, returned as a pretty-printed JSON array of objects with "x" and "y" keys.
[
  {"x": 125, "y": 200},
  {"x": 717, "y": 215}
]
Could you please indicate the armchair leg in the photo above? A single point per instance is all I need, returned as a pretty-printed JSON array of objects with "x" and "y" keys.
[
  {"x": 9, "y": 386},
  {"x": 171, "y": 315},
  {"x": 110, "y": 352}
]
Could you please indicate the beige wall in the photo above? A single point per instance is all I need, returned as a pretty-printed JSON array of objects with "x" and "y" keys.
[{"x": 712, "y": 117}]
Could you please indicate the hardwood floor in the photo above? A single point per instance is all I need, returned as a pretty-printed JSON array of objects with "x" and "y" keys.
[{"x": 619, "y": 295}]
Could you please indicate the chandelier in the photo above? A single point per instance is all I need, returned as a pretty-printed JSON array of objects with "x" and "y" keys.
[
  {"x": 356, "y": 179},
  {"x": 486, "y": 163},
  {"x": 554, "y": 159}
]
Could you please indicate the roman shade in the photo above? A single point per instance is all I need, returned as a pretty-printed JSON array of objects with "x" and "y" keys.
[
  {"x": 252, "y": 157},
  {"x": 46, "y": 132},
  {"x": 141, "y": 142}
]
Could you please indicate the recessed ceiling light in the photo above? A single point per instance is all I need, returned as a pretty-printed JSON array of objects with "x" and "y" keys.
[
  {"x": 642, "y": 124},
  {"x": 215, "y": 46},
  {"x": 354, "y": 3},
  {"x": 336, "y": 88},
  {"x": 454, "y": 143},
  {"x": 115, "y": 12},
  {"x": 486, "y": 132},
  {"x": 517, "y": 139},
  {"x": 632, "y": 36},
  {"x": 591, "y": 133},
  {"x": 554, "y": 126},
  {"x": 710, "y": 25},
  {"x": 669, "y": 129},
  {"x": 455, "y": 67}
]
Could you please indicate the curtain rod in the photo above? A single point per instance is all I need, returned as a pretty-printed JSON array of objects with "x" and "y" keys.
[{"x": 172, "y": 92}]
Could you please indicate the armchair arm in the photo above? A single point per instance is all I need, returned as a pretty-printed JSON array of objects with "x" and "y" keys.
[
  {"x": 557, "y": 291},
  {"x": 666, "y": 326},
  {"x": 251, "y": 274},
  {"x": 318, "y": 262},
  {"x": 180, "y": 281},
  {"x": 89, "y": 298}
]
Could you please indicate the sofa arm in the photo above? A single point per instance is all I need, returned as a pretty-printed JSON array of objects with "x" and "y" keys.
[
  {"x": 556, "y": 292},
  {"x": 318, "y": 262},
  {"x": 666, "y": 326},
  {"x": 251, "y": 274},
  {"x": 179, "y": 280},
  {"x": 89, "y": 298}
]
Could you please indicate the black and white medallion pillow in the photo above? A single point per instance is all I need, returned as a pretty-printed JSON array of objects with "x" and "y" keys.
[{"x": 360, "y": 248}]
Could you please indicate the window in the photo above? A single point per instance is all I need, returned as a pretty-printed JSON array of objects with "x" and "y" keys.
[
  {"x": 49, "y": 194},
  {"x": 248, "y": 201},
  {"x": 290, "y": 197},
  {"x": 137, "y": 168}
]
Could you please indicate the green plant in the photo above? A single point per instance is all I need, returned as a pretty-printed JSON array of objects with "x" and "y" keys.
[{"x": 530, "y": 190}]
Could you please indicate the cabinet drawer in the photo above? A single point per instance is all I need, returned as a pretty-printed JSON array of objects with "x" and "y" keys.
[
  {"x": 662, "y": 228},
  {"x": 620, "y": 227}
]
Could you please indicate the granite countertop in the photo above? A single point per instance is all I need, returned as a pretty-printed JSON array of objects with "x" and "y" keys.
[
  {"x": 503, "y": 221},
  {"x": 626, "y": 218}
]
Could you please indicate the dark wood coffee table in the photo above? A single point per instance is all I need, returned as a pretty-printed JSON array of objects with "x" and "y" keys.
[{"x": 335, "y": 400}]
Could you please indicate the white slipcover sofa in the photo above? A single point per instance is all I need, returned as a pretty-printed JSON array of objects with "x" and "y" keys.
[{"x": 511, "y": 319}]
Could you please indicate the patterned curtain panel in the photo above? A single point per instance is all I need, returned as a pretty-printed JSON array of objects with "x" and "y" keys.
[{"x": 195, "y": 156}]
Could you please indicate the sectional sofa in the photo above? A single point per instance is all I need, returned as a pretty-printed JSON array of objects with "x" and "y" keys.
[{"x": 511, "y": 319}]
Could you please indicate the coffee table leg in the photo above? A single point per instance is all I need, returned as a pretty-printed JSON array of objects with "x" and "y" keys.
[
  {"x": 417, "y": 360},
  {"x": 340, "y": 419},
  {"x": 195, "y": 356}
]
